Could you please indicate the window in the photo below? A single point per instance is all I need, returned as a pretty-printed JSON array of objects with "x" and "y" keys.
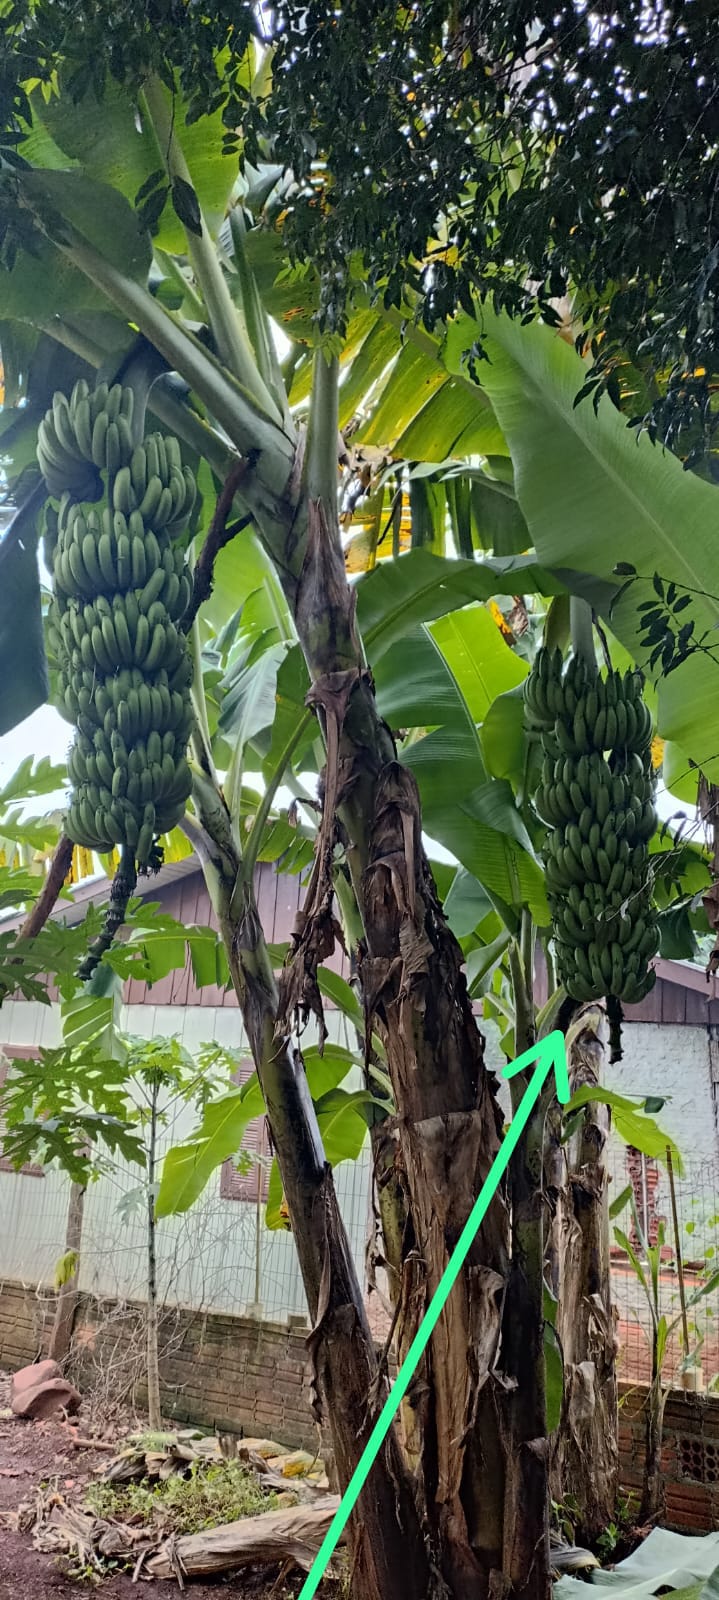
[
  {"x": 7, "y": 1052},
  {"x": 236, "y": 1185}
]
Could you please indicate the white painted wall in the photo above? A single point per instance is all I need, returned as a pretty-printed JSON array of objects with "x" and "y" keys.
[{"x": 673, "y": 1061}]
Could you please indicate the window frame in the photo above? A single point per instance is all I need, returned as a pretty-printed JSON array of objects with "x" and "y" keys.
[{"x": 253, "y": 1186}]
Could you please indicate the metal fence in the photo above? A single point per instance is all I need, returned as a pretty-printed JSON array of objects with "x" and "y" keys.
[
  {"x": 219, "y": 1256},
  {"x": 691, "y": 1252}
]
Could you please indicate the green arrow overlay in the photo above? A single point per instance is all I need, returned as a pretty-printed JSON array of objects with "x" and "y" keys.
[{"x": 548, "y": 1055}]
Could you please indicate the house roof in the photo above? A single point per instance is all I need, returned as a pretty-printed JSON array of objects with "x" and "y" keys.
[
  {"x": 689, "y": 976},
  {"x": 682, "y": 993},
  {"x": 93, "y": 891}
]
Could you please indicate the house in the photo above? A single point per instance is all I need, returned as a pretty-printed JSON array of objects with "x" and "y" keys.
[{"x": 219, "y": 1259}]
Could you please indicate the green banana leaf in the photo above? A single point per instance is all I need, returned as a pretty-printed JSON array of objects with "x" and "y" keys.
[
  {"x": 594, "y": 495},
  {"x": 633, "y": 1124},
  {"x": 414, "y": 685},
  {"x": 471, "y": 814},
  {"x": 378, "y": 346},
  {"x": 342, "y": 1119},
  {"x": 444, "y": 677},
  {"x": 42, "y": 283},
  {"x": 449, "y": 423},
  {"x": 420, "y": 586},
  {"x": 678, "y": 774},
  {"x": 504, "y": 739},
  {"x": 466, "y": 903},
  {"x": 481, "y": 661},
  {"x": 115, "y": 145},
  {"x": 188, "y": 1167}
]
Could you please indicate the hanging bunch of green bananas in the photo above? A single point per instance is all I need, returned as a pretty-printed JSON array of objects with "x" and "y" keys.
[
  {"x": 596, "y": 796},
  {"x": 121, "y": 589}
]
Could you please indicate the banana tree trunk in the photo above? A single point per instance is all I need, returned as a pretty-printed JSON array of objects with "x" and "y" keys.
[
  {"x": 526, "y": 1514},
  {"x": 585, "y": 1460},
  {"x": 415, "y": 995},
  {"x": 388, "y": 1555},
  {"x": 652, "y": 1502},
  {"x": 401, "y": 1265},
  {"x": 448, "y": 1135}
]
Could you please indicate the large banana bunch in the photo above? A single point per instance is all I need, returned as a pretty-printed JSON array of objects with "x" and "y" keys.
[
  {"x": 121, "y": 589},
  {"x": 596, "y": 796}
]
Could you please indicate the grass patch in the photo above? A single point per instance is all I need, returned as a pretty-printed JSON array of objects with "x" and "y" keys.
[{"x": 211, "y": 1494}]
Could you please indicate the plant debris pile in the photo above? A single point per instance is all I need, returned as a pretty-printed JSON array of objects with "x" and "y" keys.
[{"x": 180, "y": 1504}]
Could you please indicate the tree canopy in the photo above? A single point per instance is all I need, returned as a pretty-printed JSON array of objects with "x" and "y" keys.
[{"x": 444, "y": 151}]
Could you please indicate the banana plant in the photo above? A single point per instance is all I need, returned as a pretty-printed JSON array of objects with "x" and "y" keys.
[
  {"x": 238, "y": 421},
  {"x": 239, "y": 417}
]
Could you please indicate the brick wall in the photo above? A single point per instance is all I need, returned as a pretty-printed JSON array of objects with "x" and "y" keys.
[
  {"x": 232, "y": 1373},
  {"x": 690, "y": 1456},
  {"x": 219, "y": 1371},
  {"x": 22, "y": 1324}
]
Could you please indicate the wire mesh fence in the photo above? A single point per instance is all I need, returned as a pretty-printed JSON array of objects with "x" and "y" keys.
[
  {"x": 687, "y": 1268},
  {"x": 220, "y": 1256}
]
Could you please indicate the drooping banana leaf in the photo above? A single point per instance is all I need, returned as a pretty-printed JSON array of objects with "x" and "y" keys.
[
  {"x": 664, "y": 1561},
  {"x": 24, "y": 681},
  {"x": 470, "y": 813},
  {"x": 397, "y": 595}
]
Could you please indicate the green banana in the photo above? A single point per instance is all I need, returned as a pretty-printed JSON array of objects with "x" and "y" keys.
[
  {"x": 139, "y": 564},
  {"x": 99, "y": 436},
  {"x": 120, "y": 587},
  {"x": 599, "y": 813}
]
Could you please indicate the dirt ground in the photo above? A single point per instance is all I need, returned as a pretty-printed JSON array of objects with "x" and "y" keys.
[{"x": 32, "y": 1453}]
